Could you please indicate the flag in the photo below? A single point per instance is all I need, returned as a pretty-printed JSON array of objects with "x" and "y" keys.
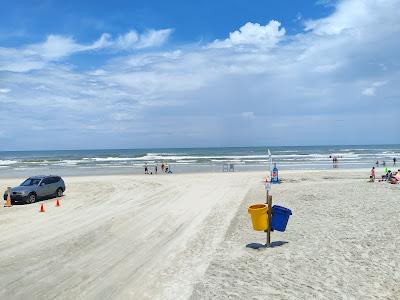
[{"x": 269, "y": 162}]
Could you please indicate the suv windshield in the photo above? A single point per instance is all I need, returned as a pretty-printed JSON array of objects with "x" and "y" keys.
[{"x": 31, "y": 181}]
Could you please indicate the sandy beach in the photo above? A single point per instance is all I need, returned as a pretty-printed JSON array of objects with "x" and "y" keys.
[
  {"x": 184, "y": 236},
  {"x": 156, "y": 125}
]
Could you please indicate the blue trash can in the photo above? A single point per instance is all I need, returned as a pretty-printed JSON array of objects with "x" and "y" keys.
[{"x": 280, "y": 217}]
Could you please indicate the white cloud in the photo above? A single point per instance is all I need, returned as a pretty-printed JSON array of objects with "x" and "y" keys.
[
  {"x": 371, "y": 91},
  {"x": 253, "y": 35},
  {"x": 326, "y": 68},
  {"x": 58, "y": 47},
  {"x": 128, "y": 40},
  {"x": 4, "y": 91},
  {"x": 103, "y": 42},
  {"x": 358, "y": 17},
  {"x": 55, "y": 47},
  {"x": 248, "y": 115},
  {"x": 326, "y": 2},
  {"x": 15, "y": 60},
  {"x": 133, "y": 40},
  {"x": 98, "y": 72},
  {"x": 154, "y": 38}
]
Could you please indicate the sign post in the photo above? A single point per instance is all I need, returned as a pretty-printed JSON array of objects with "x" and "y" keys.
[
  {"x": 269, "y": 214},
  {"x": 261, "y": 214},
  {"x": 269, "y": 199}
]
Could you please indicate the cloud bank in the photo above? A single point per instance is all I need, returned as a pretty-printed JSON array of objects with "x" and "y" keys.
[
  {"x": 333, "y": 83},
  {"x": 57, "y": 47}
]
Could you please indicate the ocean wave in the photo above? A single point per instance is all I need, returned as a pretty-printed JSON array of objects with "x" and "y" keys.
[
  {"x": 110, "y": 158},
  {"x": 198, "y": 157},
  {"x": 394, "y": 154},
  {"x": 173, "y": 157},
  {"x": 7, "y": 162}
]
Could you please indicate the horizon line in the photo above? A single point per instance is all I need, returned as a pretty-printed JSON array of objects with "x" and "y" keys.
[{"x": 201, "y": 147}]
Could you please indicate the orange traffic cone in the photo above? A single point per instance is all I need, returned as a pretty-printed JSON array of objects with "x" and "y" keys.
[
  {"x": 41, "y": 208},
  {"x": 57, "y": 203},
  {"x": 8, "y": 201}
]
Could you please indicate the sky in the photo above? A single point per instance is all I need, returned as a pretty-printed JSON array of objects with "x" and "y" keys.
[{"x": 142, "y": 74}]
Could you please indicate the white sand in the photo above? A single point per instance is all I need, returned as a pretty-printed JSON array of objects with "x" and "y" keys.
[
  {"x": 184, "y": 236},
  {"x": 118, "y": 236},
  {"x": 343, "y": 242}
]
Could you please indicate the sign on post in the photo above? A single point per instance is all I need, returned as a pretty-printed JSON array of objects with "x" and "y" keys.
[{"x": 267, "y": 185}]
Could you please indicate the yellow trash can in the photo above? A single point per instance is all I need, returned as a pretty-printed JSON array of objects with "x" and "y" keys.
[{"x": 259, "y": 216}]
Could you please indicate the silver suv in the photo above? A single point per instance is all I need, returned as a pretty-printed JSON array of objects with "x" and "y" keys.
[{"x": 37, "y": 187}]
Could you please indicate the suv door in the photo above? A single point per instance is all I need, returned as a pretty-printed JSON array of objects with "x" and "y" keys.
[
  {"x": 54, "y": 184},
  {"x": 45, "y": 187}
]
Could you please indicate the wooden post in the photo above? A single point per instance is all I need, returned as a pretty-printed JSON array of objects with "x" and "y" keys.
[{"x": 269, "y": 202}]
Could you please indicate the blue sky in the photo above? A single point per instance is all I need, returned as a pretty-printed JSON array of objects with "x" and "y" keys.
[
  {"x": 192, "y": 21},
  {"x": 127, "y": 74}
]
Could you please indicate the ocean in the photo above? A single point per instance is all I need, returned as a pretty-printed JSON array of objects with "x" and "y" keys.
[{"x": 116, "y": 161}]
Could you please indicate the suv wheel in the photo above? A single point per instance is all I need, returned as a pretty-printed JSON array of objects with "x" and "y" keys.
[
  {"x": 31, "y": 199},
  {"x": 59, "y": 192}
]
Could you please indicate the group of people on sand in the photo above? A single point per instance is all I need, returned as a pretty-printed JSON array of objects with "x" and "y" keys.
[
  {"x": 389, "y": 176},
  {"x": 165, "y": 168}
]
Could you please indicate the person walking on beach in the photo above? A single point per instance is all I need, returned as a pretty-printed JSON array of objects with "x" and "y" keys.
[
  {"x": 372, "y": 177},
  {"x": 146, "y": 169},
  {"x": 394, "y": 161},
  {"x": 162, "y": 167},
  {"x": 155, "y": 169}
]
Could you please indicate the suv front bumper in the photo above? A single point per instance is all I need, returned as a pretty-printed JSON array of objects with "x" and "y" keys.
[{"x": 17, "y": 198}]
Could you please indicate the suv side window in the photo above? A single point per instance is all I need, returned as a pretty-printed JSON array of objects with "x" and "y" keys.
[
  {"x": 47, "y": 181},
  {"x": 56, "y": 179}
]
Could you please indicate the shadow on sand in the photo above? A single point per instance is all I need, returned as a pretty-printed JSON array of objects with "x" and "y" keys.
[
  {"x": 37, "y": 200},
  {"x": 258, "y": 246}
]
